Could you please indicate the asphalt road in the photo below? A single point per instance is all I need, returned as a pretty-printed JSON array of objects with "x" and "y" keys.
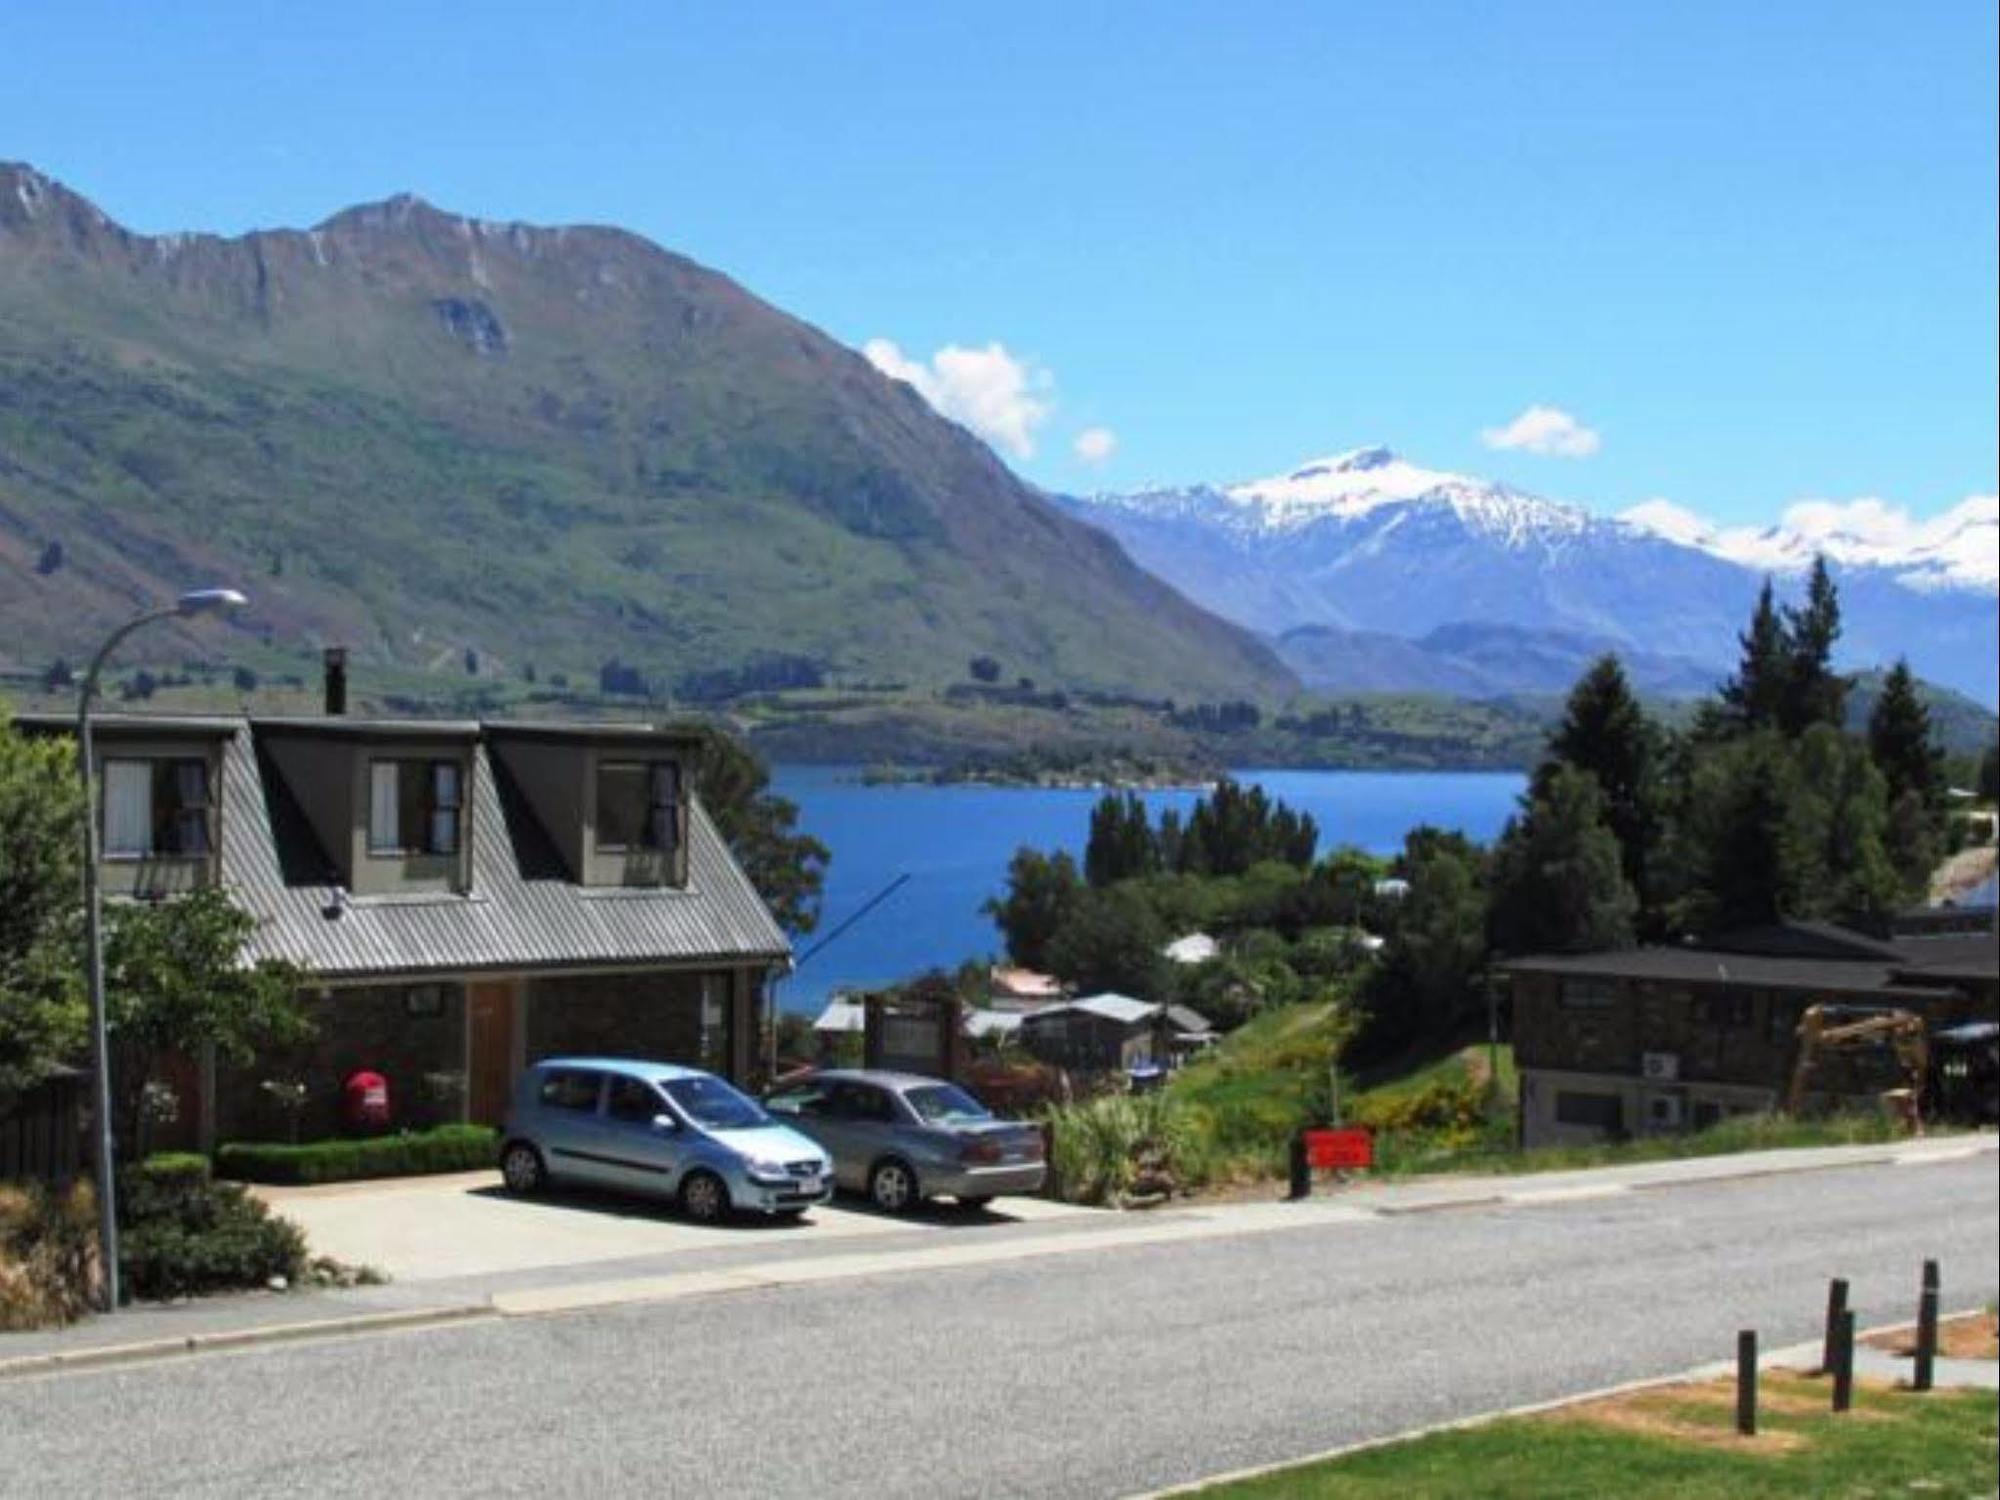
[{"x": 1097, "y": 1373}]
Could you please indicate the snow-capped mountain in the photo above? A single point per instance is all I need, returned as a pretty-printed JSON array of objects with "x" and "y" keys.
[
  {"x": 1497, "y": 587},
  {"x": 1957, "y": 550}
]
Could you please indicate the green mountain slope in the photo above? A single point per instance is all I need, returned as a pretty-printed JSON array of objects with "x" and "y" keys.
[{"x": 462, "y": 445}]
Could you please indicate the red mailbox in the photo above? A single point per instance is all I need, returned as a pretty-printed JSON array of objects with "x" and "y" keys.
[
  {"x": 365, "y": 1101},
  {"x": 1335, "y": 1150}
]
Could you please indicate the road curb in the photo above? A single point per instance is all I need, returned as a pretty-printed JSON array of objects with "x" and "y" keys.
[
  {"x": 59, "y": 1360},
  {"x": 1776, "y": 1359}
]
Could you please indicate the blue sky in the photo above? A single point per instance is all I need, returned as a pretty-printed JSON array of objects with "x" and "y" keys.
[{"x": 1750, "y": 250}]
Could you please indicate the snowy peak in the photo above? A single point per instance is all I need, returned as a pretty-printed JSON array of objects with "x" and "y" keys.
[
  {"x": 1959, "y": 549},
  {"x": 1372, "y": 485}
]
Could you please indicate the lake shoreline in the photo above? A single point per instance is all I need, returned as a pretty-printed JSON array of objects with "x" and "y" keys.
[{"x": 953, "y": 841}]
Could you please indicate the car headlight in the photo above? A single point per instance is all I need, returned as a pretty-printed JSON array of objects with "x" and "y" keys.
[{"x": 769, "y": 1171}]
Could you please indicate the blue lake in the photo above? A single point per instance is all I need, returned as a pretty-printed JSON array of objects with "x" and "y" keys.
[{"x": 954, "y": 844}]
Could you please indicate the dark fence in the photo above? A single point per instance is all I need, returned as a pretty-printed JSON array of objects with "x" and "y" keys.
[{"x": 41, "y": 1133}]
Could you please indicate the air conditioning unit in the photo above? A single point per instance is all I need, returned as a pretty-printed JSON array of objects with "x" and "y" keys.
[{"x": 1660, "y": 1067}]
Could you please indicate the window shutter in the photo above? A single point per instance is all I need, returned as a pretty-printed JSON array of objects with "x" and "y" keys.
[
  {"x": 191, "y": 813},
  {"x": 385, "y": 824},
  {"x": 128, "y": 807},
  {"x": 444, "y": 807},
  {"x": 665, "y": 811}
]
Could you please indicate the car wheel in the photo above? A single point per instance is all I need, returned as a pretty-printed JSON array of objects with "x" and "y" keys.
[
  {"x": 977, "y": 1202},
  {"x": 892, "y": 1187},
  {"x": 521, "y": 1169},
  {"x": 704, "y": 1197}
]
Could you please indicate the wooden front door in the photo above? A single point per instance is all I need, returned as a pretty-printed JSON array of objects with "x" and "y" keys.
[{"x": 489, "y": 1061}]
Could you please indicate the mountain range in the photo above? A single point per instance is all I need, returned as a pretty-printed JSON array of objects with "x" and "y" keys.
[
  {"x": 1370, "y": 572},
  {"x": 484, "y": 449}
]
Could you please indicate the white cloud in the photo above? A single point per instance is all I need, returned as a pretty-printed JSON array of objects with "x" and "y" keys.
[
  {"x": 1544, "y": 429},
  {"x": 1955, "y": 548},
  {"x": 1095, "y": 444},
  {"x": 1000, "y": 397}
]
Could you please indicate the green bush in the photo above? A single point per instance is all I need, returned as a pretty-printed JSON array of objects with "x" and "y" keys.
[
  {"x": 48, "y": 1254},
  {"x": 218, "y": 1239},
  {"x": 1104, "y": 1148},
  {"x": 448, "y": 1148}
]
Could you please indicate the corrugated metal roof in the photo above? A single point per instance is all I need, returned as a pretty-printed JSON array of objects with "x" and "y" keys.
[
  {"x": 982, "y": 1023},
  {"x": 512, "y": 920},
  {"x": 842, "y": 1017},
  {"x": 1122, "y": 1009}
]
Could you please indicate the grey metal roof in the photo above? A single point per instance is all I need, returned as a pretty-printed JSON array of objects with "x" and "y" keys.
[
  {"x": 514, "y": 919},
  {"x": 1699, "y": 966}
]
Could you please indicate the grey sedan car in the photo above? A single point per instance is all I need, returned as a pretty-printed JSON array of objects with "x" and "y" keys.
[{"x": 901, "y": 1137}]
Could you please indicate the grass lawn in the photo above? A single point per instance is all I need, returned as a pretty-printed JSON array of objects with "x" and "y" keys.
[{"x": 1679, "y": 1441}]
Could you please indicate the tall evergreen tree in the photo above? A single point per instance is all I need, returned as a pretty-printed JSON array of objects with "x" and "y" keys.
[
  {"x": 1747, "y": 862},
  {"x": 1899, "y": 739},
  {"x": 1557, "y": 881},
  {"x": 1813, "y": 693},
  {"x": 1840, "y": 817},
  {"x": 1606, "y": 733},
  {"x": 1122, "y": 845},
  {"x": 1754, "y": 698}
]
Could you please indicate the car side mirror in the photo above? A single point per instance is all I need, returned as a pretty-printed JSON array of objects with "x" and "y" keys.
[{"x": 666, "y": 1124}]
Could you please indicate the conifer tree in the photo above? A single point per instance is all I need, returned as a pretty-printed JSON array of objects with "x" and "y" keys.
[
  {"x": 1812, "y": 692},
  {"x": 1606, "y": 733},
  {"x": 1754, "y": 698},
  {"x": 1899, "y": 739},
  {"x": 1557, "y": 881}
]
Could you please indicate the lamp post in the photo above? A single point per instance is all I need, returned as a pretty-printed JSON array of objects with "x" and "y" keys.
[{"x": 196, "y": 602}]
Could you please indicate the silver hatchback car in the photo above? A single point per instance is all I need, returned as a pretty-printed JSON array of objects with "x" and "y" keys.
[
  {"x": 901, "y": 1137},
  {"x": 654, "y": 1128}
]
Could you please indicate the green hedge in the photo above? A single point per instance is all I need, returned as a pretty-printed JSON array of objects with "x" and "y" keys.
[{"x": 448, "y": 1148}]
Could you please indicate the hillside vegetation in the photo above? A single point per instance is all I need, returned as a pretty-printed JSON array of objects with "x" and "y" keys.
[{"x": 490, "y": 452}]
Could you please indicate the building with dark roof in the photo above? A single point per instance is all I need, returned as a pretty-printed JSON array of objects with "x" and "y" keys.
[
  {"x": 1659, "y": 1039},
  {"x": 462, "y": 898}
]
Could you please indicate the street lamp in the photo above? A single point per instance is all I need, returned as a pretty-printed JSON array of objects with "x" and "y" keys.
[{"x": 195, "y": 602}]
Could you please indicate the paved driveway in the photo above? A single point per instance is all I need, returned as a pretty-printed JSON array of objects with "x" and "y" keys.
[{"x": 428, "y": 1228}]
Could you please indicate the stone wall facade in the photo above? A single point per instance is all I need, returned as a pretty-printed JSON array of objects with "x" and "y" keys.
[
  {"x": 686, "y": 1017},
  {"x": 409, "y": 1033}
]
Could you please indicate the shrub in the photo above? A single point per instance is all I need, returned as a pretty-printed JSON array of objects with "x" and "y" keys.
[
  {"x": 221, "y": 1240},
  {"x": 48, "y": 1254},
  {"x": 448, "y": 1148},
  {"x": 183, "y": 1233},
  {"x": 1104, "y": 1148}
]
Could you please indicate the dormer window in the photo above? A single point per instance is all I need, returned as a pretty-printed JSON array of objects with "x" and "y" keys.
[
  {"x": 638, "y": 806},
  {"x": 156, "y": 808},
  {"x": 414, "y": 806}
]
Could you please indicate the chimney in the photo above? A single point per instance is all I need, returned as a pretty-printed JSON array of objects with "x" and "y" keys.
[{"x": 334, "y": 659}]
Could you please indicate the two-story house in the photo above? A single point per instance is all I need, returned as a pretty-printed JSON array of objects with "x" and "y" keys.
[
  {"x": 462, "y": 898},
  {"x": 1661, "y": 1039}
]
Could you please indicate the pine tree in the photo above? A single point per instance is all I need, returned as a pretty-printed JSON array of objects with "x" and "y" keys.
[
  {"x": 1754, "y": 698},
  {"x": 1899, "y": 739},
  {"x": 1606, "y": 733},
  {"x": 1747, "y": 860},
  {"x": 1812, "y": 693},
  {"x": 1557, "y": 881},
  {"x": 1122, "y": 845}
]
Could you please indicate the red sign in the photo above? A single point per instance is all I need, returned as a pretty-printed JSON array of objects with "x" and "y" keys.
[{"x": 1329, "y": 1150}]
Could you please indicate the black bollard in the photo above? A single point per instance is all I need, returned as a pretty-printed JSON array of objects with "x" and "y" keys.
[
  {"x": 1746, "y": 1382},
  {"x": 1836, "y": 1304},
  {"x": 1924, "y": 1374},
  {"x": 1843, "y": 1364},
  {"x": 1302, "y": 1177}
]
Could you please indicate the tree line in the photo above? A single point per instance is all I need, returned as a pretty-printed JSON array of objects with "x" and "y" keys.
[{"x": 1764, "y": 808}]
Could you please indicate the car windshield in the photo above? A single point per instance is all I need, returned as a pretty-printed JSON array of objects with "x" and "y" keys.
[
  {"x": 713, "y": 1104},
  {"x": 946, "y": 1104}
]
